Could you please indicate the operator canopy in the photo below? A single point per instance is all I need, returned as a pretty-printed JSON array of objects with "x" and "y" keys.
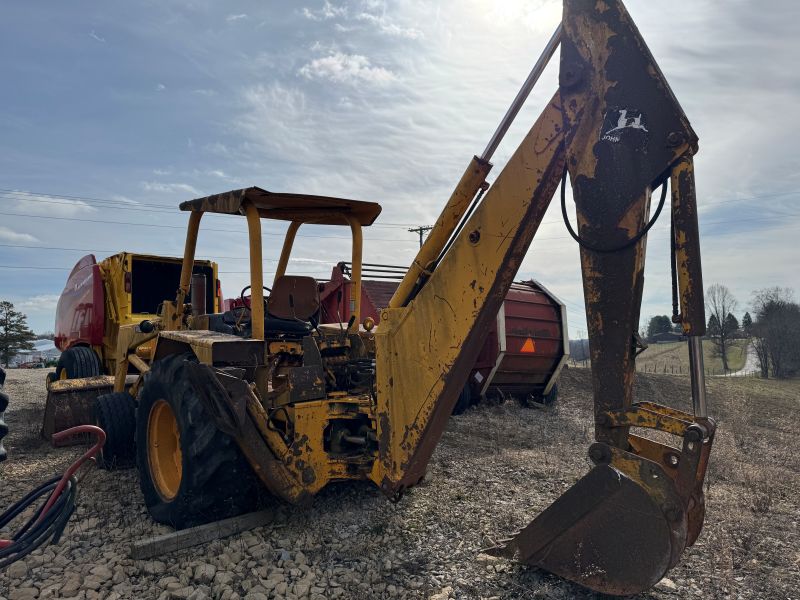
[{"x": 323, "y": 210}]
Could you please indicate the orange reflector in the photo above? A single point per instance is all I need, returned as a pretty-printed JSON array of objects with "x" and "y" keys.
[{"x": 528, "y": 346}]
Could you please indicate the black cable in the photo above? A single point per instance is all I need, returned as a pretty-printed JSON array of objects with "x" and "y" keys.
[
  {"x": 35, "y": 533},
  {"x": 627, "y": 244}
]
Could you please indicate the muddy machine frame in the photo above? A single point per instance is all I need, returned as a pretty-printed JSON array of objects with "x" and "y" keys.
[{"x": 615, "y": 128}]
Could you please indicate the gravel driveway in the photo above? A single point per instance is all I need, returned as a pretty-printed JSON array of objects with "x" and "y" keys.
[{"x": 496, "y": 467}]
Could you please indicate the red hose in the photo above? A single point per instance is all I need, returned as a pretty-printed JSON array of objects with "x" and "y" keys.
[{"x": 89, "y": 454}]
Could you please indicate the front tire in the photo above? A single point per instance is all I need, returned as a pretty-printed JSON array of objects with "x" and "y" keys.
[
  {"x": 116, "y": 415},
  {"x": 190, "y": 472},
  {"x": 78, "y": 362}
]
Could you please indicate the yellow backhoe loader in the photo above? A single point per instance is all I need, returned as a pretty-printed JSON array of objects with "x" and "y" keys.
[{"x": 263, "y": 397}]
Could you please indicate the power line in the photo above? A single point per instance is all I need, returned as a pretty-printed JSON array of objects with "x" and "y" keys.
[
  {"x": 163, "y": 226},
  {"x": 116, "y": 204}
]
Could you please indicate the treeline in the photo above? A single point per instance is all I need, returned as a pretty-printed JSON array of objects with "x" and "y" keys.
[{"x": 774, "y": 328}]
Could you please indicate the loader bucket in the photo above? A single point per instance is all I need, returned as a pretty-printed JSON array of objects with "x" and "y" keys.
[
  {"x": 611, "y": 532},
  {"x": 70, "y": 402}
]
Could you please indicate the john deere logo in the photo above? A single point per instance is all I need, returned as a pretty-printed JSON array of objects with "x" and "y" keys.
[{"x": 618, "y": 121}]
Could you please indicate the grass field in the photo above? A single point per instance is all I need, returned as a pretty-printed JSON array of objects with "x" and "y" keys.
[{"x": 674, "y": 358}]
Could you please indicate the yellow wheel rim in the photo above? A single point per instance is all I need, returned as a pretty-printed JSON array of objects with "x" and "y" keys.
[
  {"x": 62, "y": 374},
  {"x": 164, "y": 450}
]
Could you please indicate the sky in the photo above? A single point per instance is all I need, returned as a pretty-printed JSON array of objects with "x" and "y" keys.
[{"x": 115, "y": 112}]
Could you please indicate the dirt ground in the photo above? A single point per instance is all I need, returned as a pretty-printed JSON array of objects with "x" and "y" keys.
[{"x": 495, "y": 469}]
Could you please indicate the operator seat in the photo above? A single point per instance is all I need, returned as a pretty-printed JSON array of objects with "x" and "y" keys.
[{"x": 293, "y": 306}]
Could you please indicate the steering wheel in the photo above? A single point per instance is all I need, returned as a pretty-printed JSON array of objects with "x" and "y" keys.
[{"x": 246, "y": 304}]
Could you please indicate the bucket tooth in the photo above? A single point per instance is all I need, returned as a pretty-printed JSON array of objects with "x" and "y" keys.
[{"x": 611, "y": 532}]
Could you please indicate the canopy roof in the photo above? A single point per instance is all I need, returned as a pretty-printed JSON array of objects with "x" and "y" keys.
[{"x": 287, "y": 207}]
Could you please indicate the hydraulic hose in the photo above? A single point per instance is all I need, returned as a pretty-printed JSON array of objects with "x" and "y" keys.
[{"x": 48, "y": 521}]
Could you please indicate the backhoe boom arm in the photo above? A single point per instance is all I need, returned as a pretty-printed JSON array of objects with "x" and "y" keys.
[{"x": 616, "y": 128}]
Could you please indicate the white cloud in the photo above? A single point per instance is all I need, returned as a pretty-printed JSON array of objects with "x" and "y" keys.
[
  {"x": 232, "y": 18},
  {"x": 52, "y": 206},
  {"x": 204, "y": 92},
  {"x": 328, "y": 11},
  {"x": 346, "y": 68},
  {"x": 14, "y": 237},
  {"x": 160, "y": 87},
  {"x": 171, "y": 188},
  {"x": 40, "y": 303},
  {"x": 389, "y": 28},
  {"x": 93, "y": 35},
  {"x": 124, "y": 199}
]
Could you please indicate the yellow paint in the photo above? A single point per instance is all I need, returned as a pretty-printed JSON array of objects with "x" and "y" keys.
[
  {"x": 164, "y": 450},
  {"x": 417, "y": 346}
]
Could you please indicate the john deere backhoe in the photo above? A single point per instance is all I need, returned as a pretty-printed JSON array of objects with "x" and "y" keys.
[{"x": 264, "y": 397}]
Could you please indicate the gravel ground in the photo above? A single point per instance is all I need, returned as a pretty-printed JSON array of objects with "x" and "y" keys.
[{"x": 496, "y": 467}]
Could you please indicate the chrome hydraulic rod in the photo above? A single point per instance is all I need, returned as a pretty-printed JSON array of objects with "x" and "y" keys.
[
  {"x": 523, "y": 94},
  {"x": 698, "y": 376}
]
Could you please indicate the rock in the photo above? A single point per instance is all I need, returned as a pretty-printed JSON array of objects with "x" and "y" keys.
[
  {"x": 17, "y": 570},
  {"x": 280, "y": 588},
  {"x": 256, "y": 596},
  {"x": 71, "y": 587},
  {"x": 102, "y": 573},
  {"x": 301, "y": 589},
  {"x": 223, "y": 578},
  {"x": 90, "y": 583},
  {"x": 154, "y": 567},
  {"x": 182, "y": 593},
  {"x": 443, "y": 595},
  {"x": 204, "y": 573},
  {"x": 667, "y": 585},
  {"x": 25, "y": 593}
]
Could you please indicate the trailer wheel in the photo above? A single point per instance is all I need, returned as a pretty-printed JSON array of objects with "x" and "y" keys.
[
  {"x": 77, "y": 362},
  {"x": 116, "y": 415},
  {"x": 190, "y": 472},
  {"x": 464, "y": 400}
]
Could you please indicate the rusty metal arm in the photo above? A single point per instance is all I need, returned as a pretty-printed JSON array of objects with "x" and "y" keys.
[
  {"x": 441, "y": 330},
  {"x": 286, "y": 251},
  {"x": 188, "y": 261}
]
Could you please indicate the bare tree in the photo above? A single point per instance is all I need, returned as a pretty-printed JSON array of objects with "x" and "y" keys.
[
  {"x": 719, "y": 304},
  {"x": 776, "y": 332}
]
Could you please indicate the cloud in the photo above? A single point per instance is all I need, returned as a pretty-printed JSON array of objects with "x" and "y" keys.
[
  {"x": 328, "y": 11},
  {"x": 232, "y": 18},
  {"x": 39, "y": 303},
  {"x": 9, "y": 235},
  {"x": 160, "y": 87},
  {"x": 40, "y": 204},
  {"x": 346, "y": 68},
  {"x": 170, "y": 188},
  {"x": 93, "y": 35},
  {"x": 392, "y": 29}
]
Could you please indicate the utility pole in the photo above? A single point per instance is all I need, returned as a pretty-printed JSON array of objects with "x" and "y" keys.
[{"x": 420, "y": 230}]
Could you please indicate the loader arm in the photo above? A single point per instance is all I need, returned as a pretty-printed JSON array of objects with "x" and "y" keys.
[{"x": 615, "y": 127}]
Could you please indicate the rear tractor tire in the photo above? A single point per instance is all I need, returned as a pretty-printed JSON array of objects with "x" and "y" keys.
[
  {"x": 116, "y": 415},
  {"x": 190, "y": 472},
  {"x": 78, "y": 362}
]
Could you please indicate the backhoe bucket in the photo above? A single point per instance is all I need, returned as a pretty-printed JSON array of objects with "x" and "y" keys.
[
  {"x": 622, "y": 526},
  {"x": 608, "y": 533},
  {"x": 70, "y": 402}
]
